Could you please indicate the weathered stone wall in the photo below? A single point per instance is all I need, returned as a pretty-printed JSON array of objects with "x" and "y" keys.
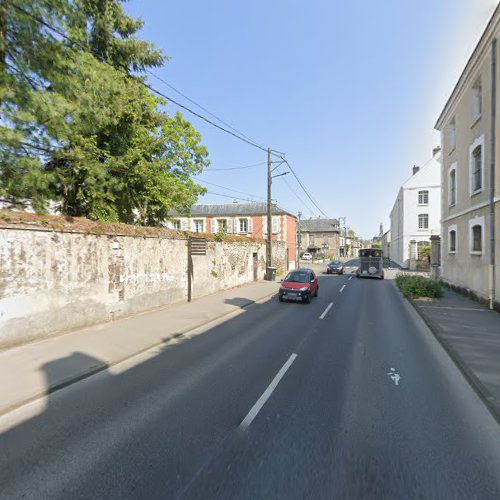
[{"x": 51, "y": 282}]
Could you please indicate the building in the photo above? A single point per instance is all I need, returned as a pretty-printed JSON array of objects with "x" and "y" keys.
[
  {"x": 244, "y": 219},
  {"x": 320, "y": 235},
  {"x": 416, "y": 215},
  {"x": 470, "y": 247},
  {"x": 386, "y": 244}
]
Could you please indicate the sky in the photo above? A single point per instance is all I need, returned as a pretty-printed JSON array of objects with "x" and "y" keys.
[{"x": 349, "y": 90}]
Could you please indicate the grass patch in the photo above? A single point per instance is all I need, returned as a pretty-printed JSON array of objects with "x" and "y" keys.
[{"x": 416, "y": 287}]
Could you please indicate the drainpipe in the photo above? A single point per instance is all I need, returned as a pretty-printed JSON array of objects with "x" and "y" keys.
[{"x": 492, "y": 170}]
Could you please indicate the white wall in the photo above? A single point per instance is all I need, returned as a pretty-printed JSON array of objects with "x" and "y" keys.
[
  {"x": 56, "y": 281},
  {"x": 404, "y": 216}
]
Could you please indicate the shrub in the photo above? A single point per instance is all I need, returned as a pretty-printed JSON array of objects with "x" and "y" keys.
[{"x": 416, "y": 287}]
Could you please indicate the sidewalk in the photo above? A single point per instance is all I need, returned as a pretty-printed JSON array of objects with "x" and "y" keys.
[
  {"x": 93, "y": 349},
  {"x": 471, "y": 335}
]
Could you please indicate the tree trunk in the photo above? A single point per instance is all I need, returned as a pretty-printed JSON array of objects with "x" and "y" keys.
[{"x": 3, "y": 37}]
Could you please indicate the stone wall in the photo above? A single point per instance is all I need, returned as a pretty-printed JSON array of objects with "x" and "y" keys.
[{"x": 52, "y": 281}]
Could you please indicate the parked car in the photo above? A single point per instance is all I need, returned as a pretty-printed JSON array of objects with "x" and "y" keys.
[
  {"x": 307, "y": 256},
  {"x": 335, "y": 267},
  {"x": 300, "y": 285}
]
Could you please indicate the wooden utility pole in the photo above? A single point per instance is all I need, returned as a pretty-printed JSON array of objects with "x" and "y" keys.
[{"x": 269, "y": 217}]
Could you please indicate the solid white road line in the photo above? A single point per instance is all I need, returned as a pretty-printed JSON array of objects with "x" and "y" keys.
[
  {"x": 265, "y": 396},
  {"x": 350, "y": 278},
  {"x": 342, "y": 289},
  {"x": 325, "y": 312}
]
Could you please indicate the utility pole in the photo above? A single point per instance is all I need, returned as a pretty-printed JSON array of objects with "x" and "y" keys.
[
  {"x": 343, "y": 221},
  {"x": 269, "y": 217},
  {"x": 299, "y": 241}
]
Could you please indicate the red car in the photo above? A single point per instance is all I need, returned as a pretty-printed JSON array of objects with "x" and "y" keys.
[{"x": 299, "y": 285}]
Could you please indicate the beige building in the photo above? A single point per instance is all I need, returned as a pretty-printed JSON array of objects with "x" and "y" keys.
[
  {"x": 386, "y": 244},
  {"x": 470, "y": 221},
  {"x": 320, "y": 236}
]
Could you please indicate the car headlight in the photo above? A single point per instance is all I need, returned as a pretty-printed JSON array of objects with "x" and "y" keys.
[{"x": 304, "y": 289}]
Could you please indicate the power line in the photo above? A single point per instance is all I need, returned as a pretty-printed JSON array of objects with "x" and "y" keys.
[
  {"x": 304, "y": 188},
  {"x": 229, "y": 189},
  {"x": 299, "y": 198},
  {"x": 147, "y": 85},
  {"x": 200, "y": 106},
  {"x": 232, "y": 197},
  {"x": 235, "y": 168}
]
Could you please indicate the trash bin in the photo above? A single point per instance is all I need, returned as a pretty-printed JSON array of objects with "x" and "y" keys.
[{"x": 271, "y": 274}]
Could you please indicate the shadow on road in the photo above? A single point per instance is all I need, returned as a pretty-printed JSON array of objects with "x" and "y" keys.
[{"x": 41, "y": 448}]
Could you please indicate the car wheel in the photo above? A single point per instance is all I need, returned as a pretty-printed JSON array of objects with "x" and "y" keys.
[
  {"x": 308, "y": 298},
  {"x": 280, "y": 298}
]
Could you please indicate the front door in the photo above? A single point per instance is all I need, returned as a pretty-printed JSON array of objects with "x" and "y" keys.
[{"x": 255, "y": 266}]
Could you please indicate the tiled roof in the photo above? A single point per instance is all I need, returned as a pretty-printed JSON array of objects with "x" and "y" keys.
[
  {"x": 319, "y": 225},
  {"x": 232, "y": 209}
]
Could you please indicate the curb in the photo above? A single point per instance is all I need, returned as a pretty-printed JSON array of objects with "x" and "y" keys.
[
  {"x": 478, "y": 387},
  {"x": 73, "y": 379}
]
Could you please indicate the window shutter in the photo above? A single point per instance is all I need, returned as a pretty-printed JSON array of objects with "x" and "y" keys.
[
  {"x": 229, "y": 226},
  {"x": 250, "y": 225},
  {"x": 275, "y": 225},
  {"x": 213, "y": 227}
]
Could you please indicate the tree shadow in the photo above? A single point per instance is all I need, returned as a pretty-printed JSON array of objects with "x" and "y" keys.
[{"x": 132, "y": 400}]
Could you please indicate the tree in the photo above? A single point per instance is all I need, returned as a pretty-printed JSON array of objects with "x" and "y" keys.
[{"x": 79, "y": 126}]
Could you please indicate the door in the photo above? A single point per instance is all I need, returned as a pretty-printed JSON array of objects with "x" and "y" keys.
[{"x": 255, "y": 261}]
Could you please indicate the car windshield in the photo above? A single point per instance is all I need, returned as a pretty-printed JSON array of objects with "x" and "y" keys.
[
  {"x": 297, "y": 278},
  {"x": 335, "y": 263}
]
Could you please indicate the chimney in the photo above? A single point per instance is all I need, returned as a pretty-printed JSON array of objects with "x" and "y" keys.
[
  {"x": 415, "y": 169},
  {"x": 436, "y": 151}
]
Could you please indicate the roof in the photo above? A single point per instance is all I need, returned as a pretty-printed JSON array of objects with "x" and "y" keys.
[
  {"x": 429, "y": 175},
  {"x": 232, "y": 209},
  {"x": 319, "y": 225},
  {"x": 480, "y": 48}
]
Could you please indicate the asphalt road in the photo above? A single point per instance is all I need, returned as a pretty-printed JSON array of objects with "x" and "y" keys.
[{"x": 283, "y": 401}]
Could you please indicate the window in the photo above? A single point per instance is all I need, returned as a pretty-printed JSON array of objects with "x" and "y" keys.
[
  {"x": 176, "y": 224},
  {"x": 275, "y": 225},
  {"x": 452, "y": 135},
  {"x": 477, "y": 98},
  {"x": 222, "y": 224},
  {"x": 476, "y": 235},
  {"x": 452, "y": 185},
  {"x": 476, "y": 168},
  {"x": 243, "y": 225},
  {"x": 423, "y": 221},
  {"x": 452, "y": 239},
  {"x": 198, "y": 226},
  {"x": 477, "y": 243},
  {"x": 423, "y": 197}
]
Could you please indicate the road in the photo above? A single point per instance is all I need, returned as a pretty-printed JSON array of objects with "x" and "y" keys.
[{"x": 352, "y": 400}]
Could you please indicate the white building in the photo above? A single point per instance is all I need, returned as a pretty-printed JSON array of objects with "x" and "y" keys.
[{"x": 416, "y": 213}]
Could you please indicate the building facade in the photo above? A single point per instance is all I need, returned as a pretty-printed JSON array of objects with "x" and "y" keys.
[
  {"x": 385, "y": 243},
  {"x": 470, "y": 247},
  {"x": 320, "y": 236},
  {"x": 244, "y": 219},
  {"x": 416, "y": 214}
]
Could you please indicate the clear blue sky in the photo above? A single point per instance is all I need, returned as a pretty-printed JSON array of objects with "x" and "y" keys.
[{"x": 349, "y": 90}]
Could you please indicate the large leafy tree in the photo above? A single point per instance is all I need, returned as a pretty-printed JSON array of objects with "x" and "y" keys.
[{"x": 78, "y": 125}]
